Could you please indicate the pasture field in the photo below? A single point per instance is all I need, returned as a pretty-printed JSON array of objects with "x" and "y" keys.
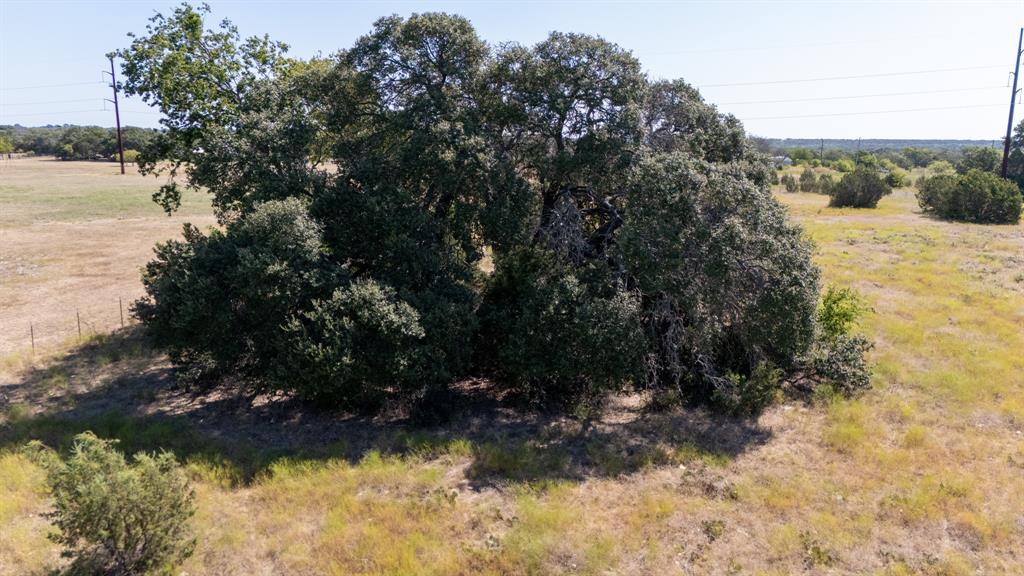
[
  {"x": 924, "y": 474},
  {"x": 73, "y": 236}
]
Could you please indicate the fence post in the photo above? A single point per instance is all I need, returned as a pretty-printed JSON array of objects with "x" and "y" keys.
[
  {"x": 78, "y": 319},
  {"x": 120, "y": 308},
  {"x": 32, "y": 334}
]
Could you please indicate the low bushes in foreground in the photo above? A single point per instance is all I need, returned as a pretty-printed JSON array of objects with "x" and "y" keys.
[
  {"x": 862, "y": 188},
  {"x": 975, "y": 196},
  {"x": 114, "y": 517}
]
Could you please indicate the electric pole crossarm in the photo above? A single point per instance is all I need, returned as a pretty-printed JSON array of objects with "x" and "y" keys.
[{"x": 1013, "y": 100}]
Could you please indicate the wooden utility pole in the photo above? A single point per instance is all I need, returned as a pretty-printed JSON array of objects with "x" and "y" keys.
[
  {"x": 1013, "y": 100},
  {"x": 117, "y": 113}
]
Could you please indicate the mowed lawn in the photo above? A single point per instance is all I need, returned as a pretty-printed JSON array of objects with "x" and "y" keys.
[
  {"x": 922, "y": 475},
  {"x": 73, "y": 237}
]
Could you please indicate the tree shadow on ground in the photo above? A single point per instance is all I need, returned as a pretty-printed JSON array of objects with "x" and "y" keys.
[{"x": 118, "y": 387}]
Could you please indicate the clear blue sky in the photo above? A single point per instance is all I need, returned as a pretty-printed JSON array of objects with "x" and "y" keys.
[{"x": 745, "y": 44}]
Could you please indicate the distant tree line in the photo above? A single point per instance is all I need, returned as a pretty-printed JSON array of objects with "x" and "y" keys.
[
  {"x": 71, "y": 142},
  {"x": 855, "y": 144},
  {"x": 985, "y": 158}
]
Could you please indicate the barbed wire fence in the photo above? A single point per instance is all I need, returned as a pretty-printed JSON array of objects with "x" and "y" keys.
[{"x": 76, "y": 327}]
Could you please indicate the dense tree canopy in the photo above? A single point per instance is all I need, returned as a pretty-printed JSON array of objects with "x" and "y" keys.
[
  {"x": 632, "y": 234},
  {"x": 979, "y": 158}
]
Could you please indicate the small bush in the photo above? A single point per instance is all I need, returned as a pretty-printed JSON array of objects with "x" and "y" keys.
[
  {"x": 840, "y": 362},
  {"x": 940, "y": 167},
  {"x": 131, "y": 155},
  {"x": 897, "y": 178},
  {"x": 748, "y": 395},
  {"x": 976, "y": 196},
  {"x": 713, "y": 529},
  {"x": 808, "y": 181},
  {"x": 789, "y": 183},
  {"x": 826, "y": 184},
  {"x": 115, "y": 517},
  {"x": 844, "y": 165},
  {"x": 838, "y": 356},
  {"x": 862, "y": 188},
  {"x": 839, "y": 311},
  {"x": 553, "y": 340},
  {"x": 352, "y": 349}
]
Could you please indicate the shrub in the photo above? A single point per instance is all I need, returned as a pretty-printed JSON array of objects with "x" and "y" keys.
[
  {"x": 897, "y": 178},
  {"x": 748, "y": 395},
  {"x": 131, "y": 155},
  {"x": 116, "y": 517},
  {"x": 808, "y": 181},
  {"x": 841, "y": 363},
  {"x": 839, "y": 311},
  {"x": 730, "y": 289},
  {"x": 789, "y": 183},
  {"x": 217, "y": 302},
  {"x": 826, "y": 184},
  {"x": 65, "y": 152},
  {"x": 838, "y": 356},
  {"x": 862, "y": 188},
  {"x": 844, "y": 165},
  {"x": 940, "y": 167},
  {"x": 976, "y": 196},
  {"x": 550, "y": 337},
  {"x": 354, "y": 349}
]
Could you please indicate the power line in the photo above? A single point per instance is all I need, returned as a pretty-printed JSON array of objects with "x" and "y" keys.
[
  {"x": 51, "y": 113},
  {"x": 50, "y": 85},
  {"x": 90, "y": 110},
  {"x": 872, "y": 112},
  {"x": 153, "y": 112},
  {"x": 781, "y": 46},
  {"x": 853, "y": 77},
  {"x": 857, "y": 96},
  {"x": 5, "y": 104}
]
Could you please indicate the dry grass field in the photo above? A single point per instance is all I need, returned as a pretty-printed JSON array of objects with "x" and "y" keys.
[
  {"x": 73, "y": 236},
  {"x": 922, "y": 475}
]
